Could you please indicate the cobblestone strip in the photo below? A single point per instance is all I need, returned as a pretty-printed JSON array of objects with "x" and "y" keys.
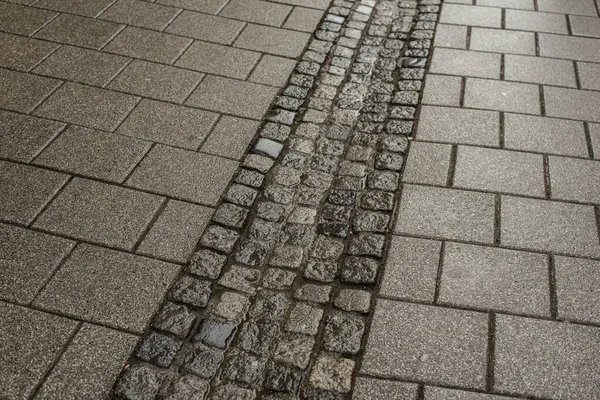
[{"x": 276, "y": 299}]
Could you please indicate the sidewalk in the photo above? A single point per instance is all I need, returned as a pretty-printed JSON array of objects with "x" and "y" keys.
[{"x": 254, "y": 199}]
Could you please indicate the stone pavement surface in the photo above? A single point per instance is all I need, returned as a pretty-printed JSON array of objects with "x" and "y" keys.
[{"x": 200, "y": 199}]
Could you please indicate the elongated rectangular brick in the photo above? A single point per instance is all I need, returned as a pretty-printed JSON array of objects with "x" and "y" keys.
[
  {"x": 572, "y": 104},
  {"x": 548, "y": 71},
  {"x": 502, "y": 41},
  {"x": 536, "y": 21},
  {"x": 569, "y": 47},
  {"x": 465, "y": 63},
  {"x": 575, "y": 179},
  {"x": 471, "y": 15},
  {"x": 502, "y": 96}
]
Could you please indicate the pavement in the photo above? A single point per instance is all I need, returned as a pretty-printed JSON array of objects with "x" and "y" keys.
[{"x": 247, "y": 199}]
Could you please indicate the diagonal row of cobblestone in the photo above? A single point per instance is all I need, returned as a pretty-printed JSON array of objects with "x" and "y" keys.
[{"x": 275, "y": 303}]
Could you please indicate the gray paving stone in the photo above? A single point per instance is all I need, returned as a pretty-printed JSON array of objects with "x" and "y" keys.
[
  {"x": 451, "y": 36},
  {"x": 272, "y": 70},
  {"x": 29, "y": 259},
  {"x": 175, "y": 233},
  {"x": 23, "y": 92},
  {"x": 437, "y": 393},
  {"x": 117, "y": 296},
  {"x": 22, "y": 20},
  {"x": 536, "y": 21},
  {"x": 100, "y": 213},
  {"x": 21, "y": 53},
  {"x": 332, "y": 374},
  {"x": 184, "y": 174},
  {"x": 544, "y": 135},
  {"x": 303, "y": 19},
  {"x": 546, "y": 358},
  {"x": 454, "y": 125},
  {"x": 460, "y": 14},
  {"x": 148, "y": 45},
  {"x": 31, "y": 342},
  {"x": 224, "y": 60},
  {"x": 595, "y": 139},
  {"x": 427, "y": 344},
  {"x": 230, "y": 137},
  {"x": 465, "y": 63},
  {"x": 502, "y": 171},
  {"x": 549, "y": 226},
  {"x": 205, "y": 27},
  {"x": 270, "y": 40},
  {"x": 585, "y": 26},
  {"x": 577, "y": 283},
  {"x": 502, "y": 41},
  {"x": 156, "y": 81},
  {"x": 571, "y": 103},
  {"x": 574, "y": 179},
  {"x": 90, "y": 364},
  {"x": 257, "y": 11},
  {"x": 446, "y": 213},
  {"x": 244, "y": 99},
  {"x": 411, "y": 269},
  {"x": 208, "y": 6},
  {"x": 81, "y": 65},
  {"x": 168, "y": 123},
  {"x": 380, "y": 389},
  {"x": 79, "y": 31},
  {"x": 502, "y": 96},
  {"x": 497, "y": 279},
  {"x": 319, "y": 4},
  {"x": 569, "y": 47},
  {"x": 519, "y": 4},
  {"x": 87, "y": 106},
  {"x": 92, "y": 153},
  {"x": 539, "y": 70},
  {"x": 22, "y": 137},
  {"x": 26, "y": 190},
  {"x": 442, "y": 90},
  {"x": 87, "y": 8},
  {"x": 427, "y": 163},
  {"x": 589, "y": 75},
  {"x": 583, "y": 7},
  {"x": 140, "y": 13}
]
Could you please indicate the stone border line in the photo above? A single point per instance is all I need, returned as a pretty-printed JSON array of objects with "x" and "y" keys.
[{"x": 276, "y": 300}]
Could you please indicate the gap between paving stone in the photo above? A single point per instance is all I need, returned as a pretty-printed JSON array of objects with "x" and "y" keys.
[{"x": 277, "y": 298}]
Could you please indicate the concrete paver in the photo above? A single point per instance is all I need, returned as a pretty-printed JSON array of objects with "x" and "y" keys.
[
  {"x": 17, "y": 145},
  {"x": 22, "y": 53},
  {"x": 79, "y": 31},
  {"x": 206, "y": 27}
]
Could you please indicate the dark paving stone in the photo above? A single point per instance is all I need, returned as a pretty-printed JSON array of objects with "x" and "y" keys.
[
  {"x": 139, "y": 382},
  {"x": 203, "y": 363},
  {"x": 22, "y": 20},
  {"x": 21, "y": 53},
  {"x": 23, "y": 92},
  {"x": 272, "y": 40},
  {"x": 215, "y": 333},
  {"x": 230, "y": 137},
  {"x": 283, "y": 379},
  {"x": 343, "y": 333},
  {"x": 205, "y": 27},
  {"x": 244, "y": 368},
  {"x": 139, "y": 13},
  {"x": 88, "y": 8},
  {"x": 269, "y": 306},
  {"x": 187, "y": 387},
  {"x": 256, "y": 337},
  {"x": 174, "y": 318},
  {"x": 206, "y": 263},
  {"x": 208, "y": 6},
  {"x": 191, "y": 291},
  {"x": 79, "y": 31},
  {"x": 260, "y": 12},
  {"x": 158, "y": 349}
]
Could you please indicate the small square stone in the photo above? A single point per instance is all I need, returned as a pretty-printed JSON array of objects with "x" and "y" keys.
[
  {"x": 207, "y": 6},
  {"x": 81, "y": 65},
  {"x": 203, "y": 363},
  {"x": 589, "y": 75},
  {"x": 26, "y": 190},
  {"x": 174, "y": 318},
  {"x": 257, "y": 11},
  {"x": 544, "y": 135},
  {"x": 423, "y": 343},
  {"x": 205, "y": 27},
  {"x": 148, "y": 45},
  {"x": 244, "y": 99},
  {"x": 87, "y": 8},
  {"x": 446, "y": 213},
  {"x": 190, "y": 291},
  {"x": 15, "y": 18},
  {"x": 465, "y": 63},
  {"x": 22, "y": 53},
  {"x": 572, "y": 104},
  {"x": 442, "y": 90},
  {"x": 88, "y": 106},
  {"x": 539, "y": 70},
  {"x": 380, "y": 389},
  {"x": 502, "y": 41},
  {"x": 536, "y": 21},
  {"x": 411, "y": 269},
  {"x": 294, "y": 349},
  {"x": 90, "y": 365},
  {"x": 207, "y": 263},
  {"x": 29, "y": 259},
  {"x": 304, "y": 319},
  {"x": 156, "y": 81},
  {"x": 92, "y": 153},
  {"x": 303, "y": 19},
  {"x": 451, "y": 36},
  {"x": 22, "y": 137},
  {"x": 139, "y": 13},
  {"x": 428, "y": 163},
  {"x": 498, "y": 279},
  {"x": 31, "y": 343},
  {"x": 502, "y": 96},
  {"x": 332, "y": 374},
  {"x": 270, "y": 40},
  {"x": 224, "y": 60},
  {"x": 272, "y": 70},
  {"x": 460, "y": 14},
  {"x": 79, "y": 31},
  {"x": 242, "y": 279},
  {"x": 101, "y": 213},
  {"x": 231, "y": 306},
  {"x": 574, "y": 179},
  {"x": 215, "y": 333},
  {"x": 531, "y": 358},
  {"x": 577, "y": 289},
  {"x": 168, "y": 123},
  {"x": 23, "y": 92},
  {"x": 494, "y": 170},
  {"x": 549, "y": 226},
  {"x": 175, "y": 233},
  {"x": 158, "y": 349},
  {"x": 343, "y": 333},
  {"x": 116, "y": 296}
]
